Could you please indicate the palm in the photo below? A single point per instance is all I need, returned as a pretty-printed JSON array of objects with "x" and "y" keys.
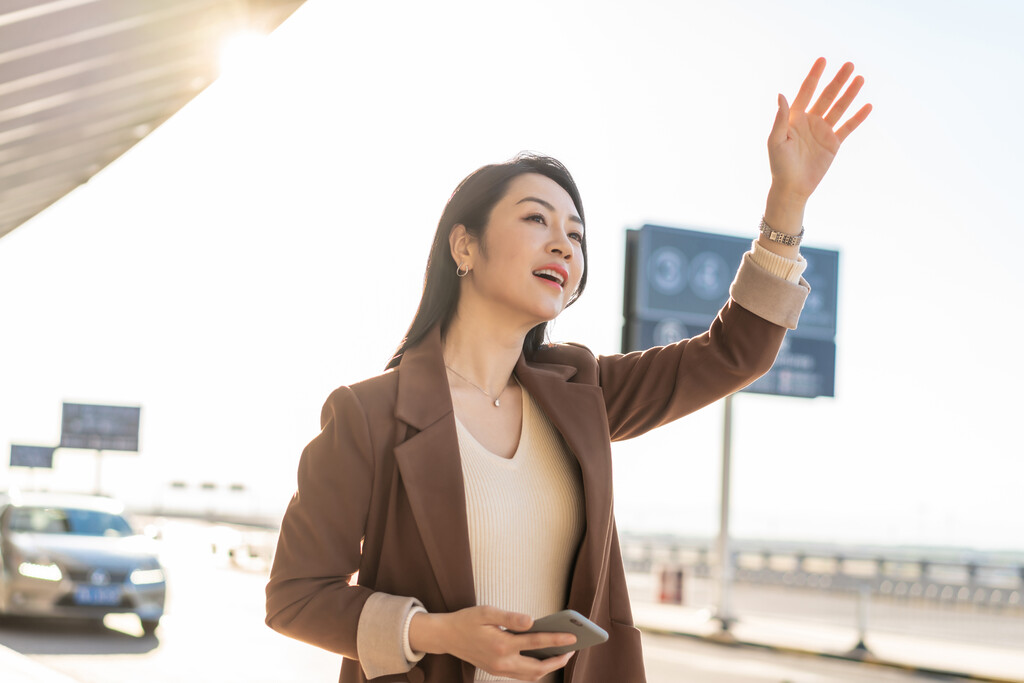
[{"x": 803, "y": 141}]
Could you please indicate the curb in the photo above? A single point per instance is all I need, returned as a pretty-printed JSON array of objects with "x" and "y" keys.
[{"x": 862, "y": 658}]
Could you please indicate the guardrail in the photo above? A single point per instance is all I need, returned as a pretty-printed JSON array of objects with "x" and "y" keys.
[
  {"x": 246, "y": 548},
  {"x": 246, "y": 544},
  {"x": 898, "y": 574}
]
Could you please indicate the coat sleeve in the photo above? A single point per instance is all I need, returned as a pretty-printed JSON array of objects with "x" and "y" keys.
[
  {"x": 646, "y": 389},
  {"x": 309, "y": 595}
]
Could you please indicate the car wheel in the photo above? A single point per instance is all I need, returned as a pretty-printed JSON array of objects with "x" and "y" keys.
[{"x": 149, "y": 626}]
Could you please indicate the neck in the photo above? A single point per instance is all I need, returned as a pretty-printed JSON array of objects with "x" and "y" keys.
[{"x": 485, "y": 355}]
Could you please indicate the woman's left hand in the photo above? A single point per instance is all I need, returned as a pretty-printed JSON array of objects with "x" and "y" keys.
[{"x": 803, "y": 141}]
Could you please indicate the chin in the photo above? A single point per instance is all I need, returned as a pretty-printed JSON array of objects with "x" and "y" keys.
[
  {"x": 548, "y": 317},
  {"x": 538, "y": 312}
]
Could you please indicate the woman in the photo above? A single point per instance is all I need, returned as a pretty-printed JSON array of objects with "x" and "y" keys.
[{"x": 469, "y": 486}]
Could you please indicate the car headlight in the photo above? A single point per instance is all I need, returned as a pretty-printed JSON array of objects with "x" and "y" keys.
[
  {"x": 43, "y": 572},
  {"x": 142, "y": 577}
]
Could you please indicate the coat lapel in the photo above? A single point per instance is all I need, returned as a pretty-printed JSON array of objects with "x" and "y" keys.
[
  {"x": 431, "y": 470},
  {"x": 578, "y": 412}
]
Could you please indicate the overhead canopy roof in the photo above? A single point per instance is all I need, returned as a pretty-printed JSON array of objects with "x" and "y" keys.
[{"x": 81, "y": 81}]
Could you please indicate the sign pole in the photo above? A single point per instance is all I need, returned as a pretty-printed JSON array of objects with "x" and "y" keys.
[
  {"x": 723, "y": 610},
  {"x": 676, "y": 282},
  {"x": 99, "y": 428},
  {"x": 99, "y": 463}
]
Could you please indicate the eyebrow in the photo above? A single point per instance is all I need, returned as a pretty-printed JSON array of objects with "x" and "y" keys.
[{"x": 549, "y": 207}]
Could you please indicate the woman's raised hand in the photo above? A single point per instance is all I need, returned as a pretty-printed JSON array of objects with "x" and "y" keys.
[
  {"x": 803, "y": 141},
  {"x": 482, "y": 636}
]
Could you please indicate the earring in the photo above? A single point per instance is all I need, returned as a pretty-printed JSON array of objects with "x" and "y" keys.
[{"x": 462, "y": 270}]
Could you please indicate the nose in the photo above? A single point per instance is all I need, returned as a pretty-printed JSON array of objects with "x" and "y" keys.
[{"x": 560, "y": 244}]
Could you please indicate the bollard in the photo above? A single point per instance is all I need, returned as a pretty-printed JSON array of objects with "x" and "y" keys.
[
  {"x": 670, "y": 584},
  {"x": 860, "y": 650}
]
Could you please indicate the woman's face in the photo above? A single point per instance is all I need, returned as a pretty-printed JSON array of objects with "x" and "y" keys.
[{"x": 531, "y": 258}]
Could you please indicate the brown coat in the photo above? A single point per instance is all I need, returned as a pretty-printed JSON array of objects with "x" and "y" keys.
[{"x": 386, "y": 468}]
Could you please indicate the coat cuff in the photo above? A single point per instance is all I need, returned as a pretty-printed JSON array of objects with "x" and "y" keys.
[
  {"x": 380, "y": 638},
  {"x": 769, "y": 296}
]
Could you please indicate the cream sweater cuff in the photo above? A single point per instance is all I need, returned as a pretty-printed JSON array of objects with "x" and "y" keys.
[
  {"x": 786, "y": 268},
  {"x": 410, "y": 654}
]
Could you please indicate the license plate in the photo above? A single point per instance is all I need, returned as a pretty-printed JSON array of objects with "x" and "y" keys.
[{"x": 97, "y": 595}]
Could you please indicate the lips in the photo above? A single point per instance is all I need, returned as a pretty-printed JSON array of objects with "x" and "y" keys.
[{"x": 554, "y": 273}]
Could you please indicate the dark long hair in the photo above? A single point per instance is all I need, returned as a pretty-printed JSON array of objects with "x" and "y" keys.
[{"x": 471, "y": 205}]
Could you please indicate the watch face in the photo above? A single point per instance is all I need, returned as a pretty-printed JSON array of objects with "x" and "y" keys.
[{"x": 781, "y": 237}]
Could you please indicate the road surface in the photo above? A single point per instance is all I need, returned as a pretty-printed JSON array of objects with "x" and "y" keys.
[{"x": 213, "y": 631}]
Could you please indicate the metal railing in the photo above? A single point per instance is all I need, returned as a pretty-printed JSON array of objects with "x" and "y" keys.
[{"x": 937, "y": 576}]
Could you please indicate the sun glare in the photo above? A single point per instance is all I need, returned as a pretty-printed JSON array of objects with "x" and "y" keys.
[{"x": 241, "y": 51}]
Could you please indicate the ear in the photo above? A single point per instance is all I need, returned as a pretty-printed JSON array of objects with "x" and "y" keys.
[{"x": 463, "y": 246}]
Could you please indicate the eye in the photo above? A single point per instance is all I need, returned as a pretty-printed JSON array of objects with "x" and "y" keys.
[
  {"x": 537, "y": 217},
  {"x": 578, "y": 236}
]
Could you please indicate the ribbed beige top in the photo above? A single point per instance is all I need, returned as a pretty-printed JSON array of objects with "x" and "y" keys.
[{"x": 525, "y": 519}]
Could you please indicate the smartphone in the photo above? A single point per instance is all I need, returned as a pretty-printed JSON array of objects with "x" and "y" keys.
[{"x": 567, "y": 621}]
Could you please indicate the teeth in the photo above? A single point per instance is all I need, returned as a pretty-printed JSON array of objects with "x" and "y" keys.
[{"x": 551, "y": 273}]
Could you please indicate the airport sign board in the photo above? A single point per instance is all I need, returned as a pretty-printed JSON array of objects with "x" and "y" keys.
[
  {"x": 678, "y": 279},
  {"x": 101, "y": 428},
  {"x": 31, "y": 456}
]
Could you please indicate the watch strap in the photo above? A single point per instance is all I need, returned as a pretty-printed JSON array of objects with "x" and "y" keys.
[{"x": 780, "y": 237}]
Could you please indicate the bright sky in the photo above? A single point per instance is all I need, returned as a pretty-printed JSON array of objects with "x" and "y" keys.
[{"x": 268, "y": 243}]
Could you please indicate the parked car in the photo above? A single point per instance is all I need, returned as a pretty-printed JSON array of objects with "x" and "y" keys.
[{"x": 76, "y": 556}]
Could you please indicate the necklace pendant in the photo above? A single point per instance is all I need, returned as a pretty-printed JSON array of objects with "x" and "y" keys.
[{"x": 497, "y": 403}]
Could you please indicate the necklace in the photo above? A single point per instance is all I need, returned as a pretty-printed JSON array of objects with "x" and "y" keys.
[{"x": 496, "y": 399}]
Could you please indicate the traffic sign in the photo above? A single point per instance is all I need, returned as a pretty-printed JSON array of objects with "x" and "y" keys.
[
  {"x": 31, "y": 456},
  {"x": 102, "y": 428},
  {"x": 804, "y": 367},
  {"x": 678, "y": 279}
]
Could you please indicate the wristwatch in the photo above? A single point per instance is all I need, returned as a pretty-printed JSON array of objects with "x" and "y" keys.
[{"x": 781, "y": 237}]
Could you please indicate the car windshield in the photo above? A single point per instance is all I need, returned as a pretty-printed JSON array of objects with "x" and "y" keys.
[{"x": 51, "y": 520}]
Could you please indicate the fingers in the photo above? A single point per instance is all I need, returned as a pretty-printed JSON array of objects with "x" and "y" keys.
[
  {"x": 810, "y": 84},
  {"x": 854, "y": 121},
  {"x": 513, "y": 621},
  {"x": 538, "y": 668},
  {"x": 826, "y": 106},
  {"x": 840, "y": 107},
  {"x": 489, "y": 638},
  {"x": 781, "y": 125},
  {"x": 555, "y": 663},
  {"x": 828, "y": 95},
  {"x": 535, "y": 669},
  {"x": 537, "y": 641}
]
